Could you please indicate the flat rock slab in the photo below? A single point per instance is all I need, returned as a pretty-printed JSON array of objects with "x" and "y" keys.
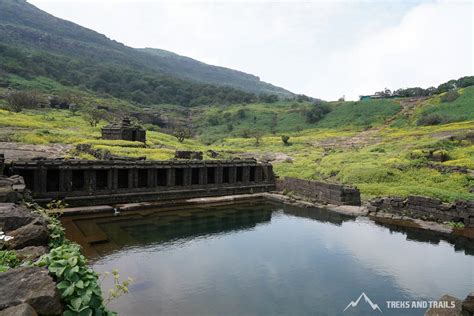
[
  {"x": 33, "y": 285},
  {"x": 18, "y": 151},
  {"x": 19, "y": 310}
]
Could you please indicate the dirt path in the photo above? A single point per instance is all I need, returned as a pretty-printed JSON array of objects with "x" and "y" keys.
[{"x": 371, "y": 136}]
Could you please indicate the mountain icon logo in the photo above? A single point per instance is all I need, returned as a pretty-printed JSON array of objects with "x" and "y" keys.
[{"x": 367, "y": 300}]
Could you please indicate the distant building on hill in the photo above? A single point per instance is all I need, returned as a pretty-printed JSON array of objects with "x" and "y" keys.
[{"x": 124, "y": 131}]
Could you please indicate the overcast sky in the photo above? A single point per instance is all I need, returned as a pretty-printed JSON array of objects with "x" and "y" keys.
[{"x": 325, "y": 49}]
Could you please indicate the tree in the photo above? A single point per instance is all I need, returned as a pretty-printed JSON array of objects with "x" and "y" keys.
[
  {"x": 285, "y": 139},
  {"x": 257, "y": 134},
  {"x": 450, "y": 96},
  {"x": 241, "y": 114},
  {"x": 181, "y": 133},
  {"x": 274, "y": 123},
  {"x": 19, "y": 100},
  {"x": 317, "y": 112},
  {"x": 384, "y": 94},
  {"x": 94, "y": 116}
]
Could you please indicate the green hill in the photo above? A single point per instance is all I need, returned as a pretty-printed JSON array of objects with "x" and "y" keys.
[{"x": 34, "y": 43}]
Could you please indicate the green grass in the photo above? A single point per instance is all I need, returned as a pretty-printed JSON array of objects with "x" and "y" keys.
[
  {"x": 360, "y": 114},
  {"x": 384, "y": 166},
  {"x": 461, "y": 109}
]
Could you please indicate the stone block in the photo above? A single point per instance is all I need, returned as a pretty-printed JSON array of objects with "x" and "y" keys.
[{"x": 33, "y": 285}]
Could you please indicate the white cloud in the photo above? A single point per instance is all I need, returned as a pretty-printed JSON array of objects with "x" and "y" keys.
[
  {"x": 324, "y": 49},
  {"x": 432, "y": 44}
]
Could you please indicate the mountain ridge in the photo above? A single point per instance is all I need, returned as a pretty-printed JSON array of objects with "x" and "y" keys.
[{"x": 24, "y": 25}]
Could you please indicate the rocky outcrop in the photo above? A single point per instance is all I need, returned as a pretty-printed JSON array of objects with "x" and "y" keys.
[
  {"x": 24, "y": 309},
  {"x": 26, "y": 228},
  {"x": 34, "y": 286},
  {"x": 426, "y": 208},
  {"x": 14, "y": 216},
  {"x": 445, "y": 307},
  {"x": 11, "y": 188},
  {"x": 31, "y": 252},
  {"x": 33, "y": 234},
  {"x": 468, "y": 304},
  {"x": 188, "y": 154}
]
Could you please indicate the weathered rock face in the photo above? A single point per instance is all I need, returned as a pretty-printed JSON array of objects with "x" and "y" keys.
[
  {"x": 446, "y": 300},
  {"x": 188, "y": 154},
  {"x": 34, "y": 286},
  {"x": 321, "y": 192},
  {"x": 11, "y": 188},
  {"x": 426, "y": 208},
  {"x": 33, "y": 234},
  {"x": 31, "y": 253},
  {"x": 468, "y": 304},
  {"x": 19, "y": 310},
  {"x": 14, "y": 216}
]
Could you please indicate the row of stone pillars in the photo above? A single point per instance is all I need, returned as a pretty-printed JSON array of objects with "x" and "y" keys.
[{"x": 71, "y": 179}]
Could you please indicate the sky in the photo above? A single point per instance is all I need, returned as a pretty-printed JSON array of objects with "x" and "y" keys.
[{"x": 324, "y": 49}]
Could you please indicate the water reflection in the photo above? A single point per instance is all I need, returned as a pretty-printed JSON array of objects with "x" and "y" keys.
[{"x": 267, "y": 259}]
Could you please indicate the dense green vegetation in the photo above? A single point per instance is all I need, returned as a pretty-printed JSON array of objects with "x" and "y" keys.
[
  {"x": 457, "y": 110},
  {"x": 370, "y": 153},
  {"x": 36, "y": 44}
]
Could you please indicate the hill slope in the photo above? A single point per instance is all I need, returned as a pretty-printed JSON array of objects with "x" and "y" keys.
[
  {"x": 189, "y": 68},
  {"x": 32, "y": 38}
]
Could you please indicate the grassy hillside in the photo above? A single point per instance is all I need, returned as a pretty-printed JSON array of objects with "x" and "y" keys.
[
  {"x": 355, "y": 143},
  {"x": 461, "y": 109}
]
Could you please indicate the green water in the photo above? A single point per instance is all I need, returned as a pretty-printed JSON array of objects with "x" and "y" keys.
[{"x": 275, "y": 260}]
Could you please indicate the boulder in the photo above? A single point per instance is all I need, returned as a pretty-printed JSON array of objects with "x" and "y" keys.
[
  {"x": 33, "y": 234},
  {"x": 24, "y": 309},
  {"x": 188, "y": 154},
  {"x": 14, "y": 216},
  {"x": 33, "y": 285},
  {"x": 447, "y": 300},
  {"x": 213, "y": 153},
  {"x": 468, "y": 304},
  {"x": 11, "y": 188},
  {"x": 31, "y": 253}
]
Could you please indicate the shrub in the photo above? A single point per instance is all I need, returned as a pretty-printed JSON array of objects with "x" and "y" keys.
[
  {"x": 417, "y": 154},
  {"x": 377, "y": 150},
  {"x": 367, "y": 174},
  {"x": 285, "y": 139},
  {"x": 317, "y": 112},
  {"x": 432, "y": 119},
  {"x": 450, "y": 96},
  {"x": 8, "y": 260},
  {"x": 213, "y": 120},
  {"x": 440, "y": 155}
]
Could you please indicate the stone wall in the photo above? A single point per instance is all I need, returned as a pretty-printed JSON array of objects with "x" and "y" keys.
[
  {"x": 426, "y": 208},
  {"x": 321, "y": 192},
  {"x": 80, "y": 182}
]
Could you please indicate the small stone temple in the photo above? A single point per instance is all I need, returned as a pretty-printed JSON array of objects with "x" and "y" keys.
[{"x": 124, "y": 131}]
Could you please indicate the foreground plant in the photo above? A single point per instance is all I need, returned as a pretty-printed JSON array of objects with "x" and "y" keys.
[
  {"x": 8, "y": 260},
  {"x": 77, "y": 283}
]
